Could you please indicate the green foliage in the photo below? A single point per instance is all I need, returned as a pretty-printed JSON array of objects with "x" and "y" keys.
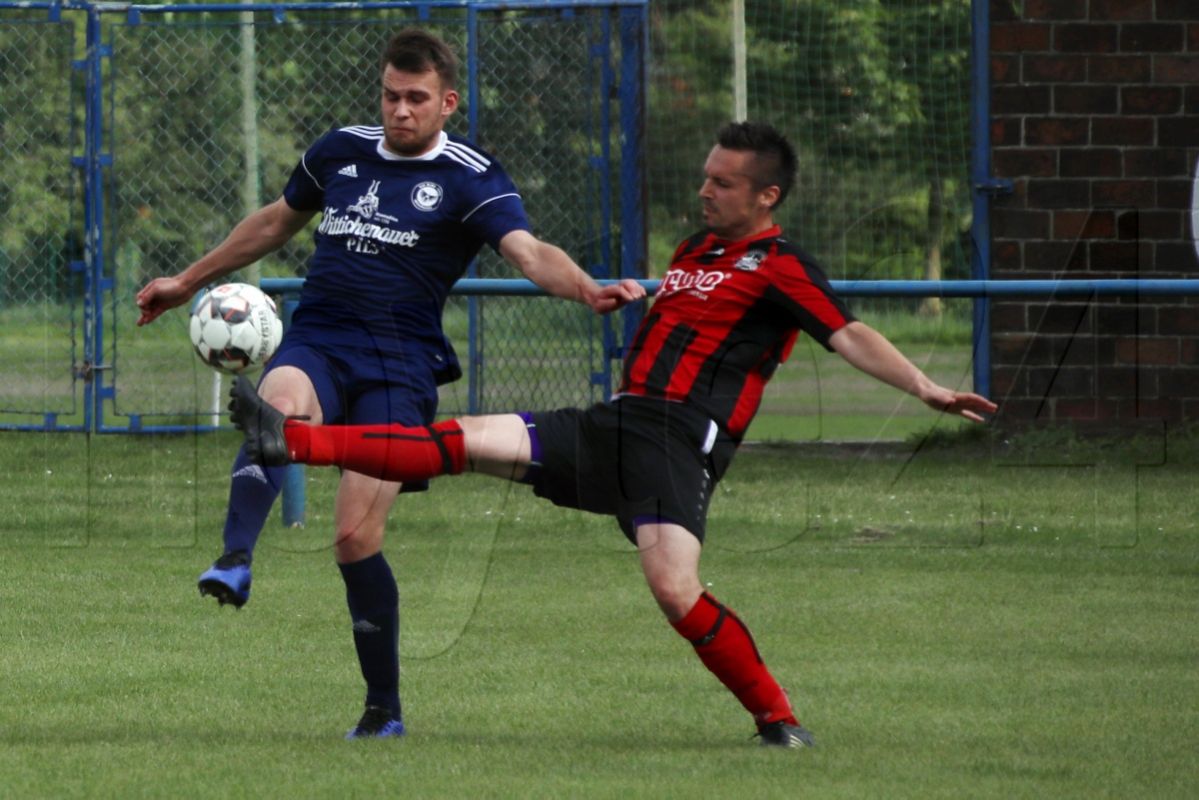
[{"x": 875, "y": 94}]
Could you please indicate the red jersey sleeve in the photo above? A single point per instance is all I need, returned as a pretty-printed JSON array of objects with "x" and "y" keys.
[{"x": 802, "y": 288}]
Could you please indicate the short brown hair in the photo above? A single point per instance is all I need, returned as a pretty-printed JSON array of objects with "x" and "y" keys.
[{"x": 415, "y": 50}]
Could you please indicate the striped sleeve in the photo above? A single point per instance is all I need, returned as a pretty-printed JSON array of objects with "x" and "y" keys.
[
  {"x": 493, "y": 208},
  {"x": 802, "y": 288}
]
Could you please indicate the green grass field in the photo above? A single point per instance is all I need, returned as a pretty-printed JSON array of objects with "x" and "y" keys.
[{"x": 980, "y": 617}]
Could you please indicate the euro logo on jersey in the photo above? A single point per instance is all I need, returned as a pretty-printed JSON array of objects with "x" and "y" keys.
[
  {"x": 427, "y": 195},
  {"x": 750, "y": 261}
]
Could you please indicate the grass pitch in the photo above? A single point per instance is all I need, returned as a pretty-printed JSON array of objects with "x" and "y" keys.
[{"x": 987, "y": 619}]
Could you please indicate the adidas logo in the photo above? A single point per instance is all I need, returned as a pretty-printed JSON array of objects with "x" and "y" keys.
[
  {"x": 365, "y": 626},
  {"x": 350, "y": 171},
  {"x": 252, "y": 471}
]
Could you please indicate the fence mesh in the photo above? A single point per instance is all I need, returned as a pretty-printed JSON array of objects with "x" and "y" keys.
[
  {"x": 874, "y": 93},
  {"x": 181, "y": 144},
  {"x": 39, "y": 295}
]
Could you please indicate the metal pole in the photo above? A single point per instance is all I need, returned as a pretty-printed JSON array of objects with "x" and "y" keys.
[
  {"x": 740, "y": 79},
  {"x": 294, "y": 493},
  {"x": 980, "y": 174},
  {"x": 474, "y": 321}
]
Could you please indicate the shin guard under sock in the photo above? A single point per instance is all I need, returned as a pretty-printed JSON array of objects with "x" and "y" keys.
[
  {"x": 252, "y": 492},
  {"x": 390, "y": 452},
  {"x": 724, "y": 645},
  {"x": 374, "y": 604}
]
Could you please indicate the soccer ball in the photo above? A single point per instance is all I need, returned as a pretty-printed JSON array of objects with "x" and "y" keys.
[{"x": 235, "y": 328}]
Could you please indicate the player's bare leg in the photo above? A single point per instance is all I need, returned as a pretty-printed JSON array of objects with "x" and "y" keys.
[
  {"x": 497, "y": 445},
  {"x": 670, "y": 560},
  {"x": 360, "y": 514},
  {"x": 255, "y": 484}
]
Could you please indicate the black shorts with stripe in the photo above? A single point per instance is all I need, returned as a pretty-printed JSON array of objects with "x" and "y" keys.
[{"x": 638, "y": 459}]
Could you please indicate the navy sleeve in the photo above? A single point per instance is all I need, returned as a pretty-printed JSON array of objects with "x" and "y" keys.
[
  {"x": 495, "y": 207},
  {"x": 305, "y": 190}
]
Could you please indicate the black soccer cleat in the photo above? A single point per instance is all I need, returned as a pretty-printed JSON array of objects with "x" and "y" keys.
[
  {"x": 228, "y": 580},
  {"x": 783, "y": 734},
  {"x": 377, "y": 723},
  {"x": 260, "y": 423}
]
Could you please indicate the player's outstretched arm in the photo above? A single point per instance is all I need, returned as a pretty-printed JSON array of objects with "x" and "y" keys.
[
  {"x": 873, "y": 353},
  {"x": 262, "y": 232},
  {"x": 552, "y": 269}
]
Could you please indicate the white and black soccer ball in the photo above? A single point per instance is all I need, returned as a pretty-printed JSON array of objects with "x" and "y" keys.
[{"x": 235, "y": 328}]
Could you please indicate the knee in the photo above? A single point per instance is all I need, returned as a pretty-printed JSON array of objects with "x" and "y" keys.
[
  {"x": 283, "y": 403},
  {"x": 675, "y": 596},
  {"x": 356, "y": 542}
]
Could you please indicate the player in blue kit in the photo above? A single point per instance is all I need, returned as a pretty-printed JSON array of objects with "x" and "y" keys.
[{"x": 405, "y": 207}]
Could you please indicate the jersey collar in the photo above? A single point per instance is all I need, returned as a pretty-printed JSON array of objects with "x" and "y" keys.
[
  {"x": 770, "y": 233},
  {"x": 429, "y": 156}
]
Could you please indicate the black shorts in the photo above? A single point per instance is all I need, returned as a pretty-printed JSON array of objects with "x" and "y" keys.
[{"x": 638, "y": 459}]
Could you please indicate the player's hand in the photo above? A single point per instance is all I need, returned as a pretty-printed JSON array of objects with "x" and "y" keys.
[
  {"x": 963, "y": 404},
  {"x": 616, "y": 295},
  {"x": 159, "y": 295}
]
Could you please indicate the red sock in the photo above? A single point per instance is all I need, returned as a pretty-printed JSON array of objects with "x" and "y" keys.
[
  {"x": 390, "y": 452},
  {"x": 723, "y": 643}
]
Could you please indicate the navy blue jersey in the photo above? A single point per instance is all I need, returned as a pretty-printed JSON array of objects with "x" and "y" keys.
[{"x": 395, "y": 235}]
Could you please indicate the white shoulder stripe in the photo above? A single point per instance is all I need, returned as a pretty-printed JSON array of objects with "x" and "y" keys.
[
  {"x": 469, "y": 154},
  {"x": 489, "y": 200},
  {"x": 464, "y": 162},
  {"x": 304, "y": 164},
  {"x": 373, "y": 134},
  {"x": 363, "y": 129}
]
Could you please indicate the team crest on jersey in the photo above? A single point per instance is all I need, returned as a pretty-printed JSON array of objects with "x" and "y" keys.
[
  {"x": 368, "y": 203},
  {"x": 750, "y": 261},
  {"x": 427, "y": 195}
]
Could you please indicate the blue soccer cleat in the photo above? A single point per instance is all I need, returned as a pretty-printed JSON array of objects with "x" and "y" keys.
[
  {"x": 228, "y": 580},
  {"x": 783, "y": 734},
  {"x": 377, "y": 723}
]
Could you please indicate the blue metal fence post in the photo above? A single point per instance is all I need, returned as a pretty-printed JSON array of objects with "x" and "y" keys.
[
  {"x": 983, "y": 186},
  {"x": 294, "y": 493},
  {"x": 93, "y": 216},
  {"x": 474, "y": 327},
  {"x": 603, "y": 166},
  {"x": 634, "y": 41}
]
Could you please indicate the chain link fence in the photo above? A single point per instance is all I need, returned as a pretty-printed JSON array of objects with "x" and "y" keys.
[
  {"x": 40, "y": 248},
  {"x": 203, "y": 115},
  {"x": 182, "y": 137},
  {"x": 204, "y": 112}
]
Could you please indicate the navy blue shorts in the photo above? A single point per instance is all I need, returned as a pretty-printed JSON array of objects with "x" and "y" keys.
[
  {"x": 638, "y": 459},
  {"x": 362, "y": 387}
]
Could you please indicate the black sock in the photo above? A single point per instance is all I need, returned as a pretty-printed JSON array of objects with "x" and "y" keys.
[{"x": 374, "y": 605}]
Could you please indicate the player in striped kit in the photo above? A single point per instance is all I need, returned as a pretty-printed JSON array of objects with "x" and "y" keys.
[
  {"x": 729, "y": 310},
  {"x": 404, "y": 208}
]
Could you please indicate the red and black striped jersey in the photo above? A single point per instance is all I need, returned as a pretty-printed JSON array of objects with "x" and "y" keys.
[{"x": 726, "y": 315}]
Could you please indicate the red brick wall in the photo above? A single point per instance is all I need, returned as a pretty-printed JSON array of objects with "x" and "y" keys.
[{"x": 1095, "y": 119}]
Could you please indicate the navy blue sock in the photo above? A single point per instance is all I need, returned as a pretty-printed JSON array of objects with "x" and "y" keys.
[
  {"x": 374, "y": 603},
  {"x": 252, "y": 492}
]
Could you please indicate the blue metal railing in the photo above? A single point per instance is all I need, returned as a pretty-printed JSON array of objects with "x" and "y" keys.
[{"x": 982, "y": 290}]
